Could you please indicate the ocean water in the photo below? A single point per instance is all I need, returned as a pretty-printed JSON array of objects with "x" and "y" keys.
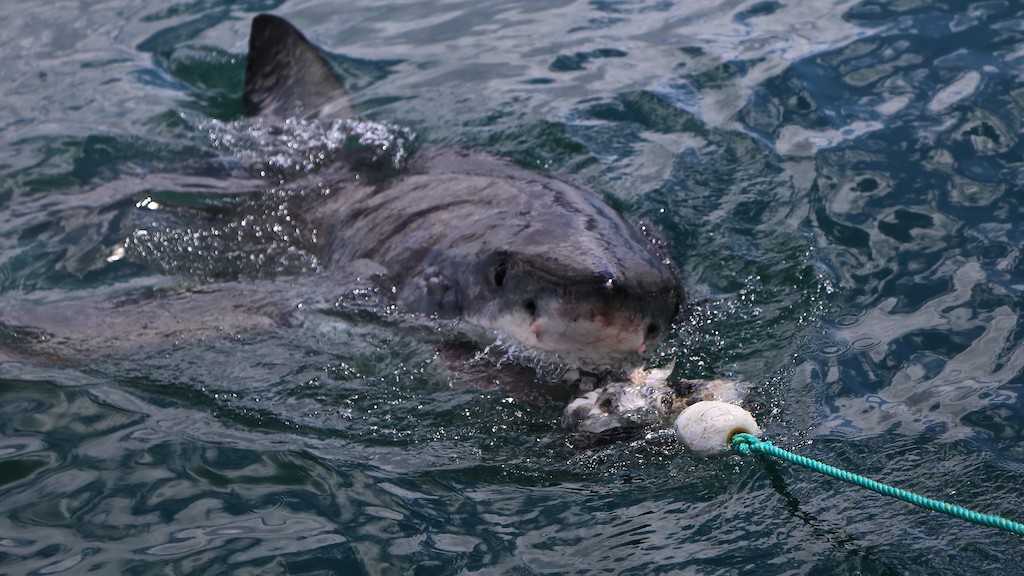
[{"x": 839, "y": 182}]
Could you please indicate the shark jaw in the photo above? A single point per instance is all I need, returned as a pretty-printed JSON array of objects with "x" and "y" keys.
[{"x": 578, "y": 334}]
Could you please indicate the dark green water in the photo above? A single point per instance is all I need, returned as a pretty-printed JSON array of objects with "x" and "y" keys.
[{"x": 839, "y": 182}]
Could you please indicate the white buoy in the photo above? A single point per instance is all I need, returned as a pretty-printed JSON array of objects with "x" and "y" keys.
[{"x": 707, "y": 427}]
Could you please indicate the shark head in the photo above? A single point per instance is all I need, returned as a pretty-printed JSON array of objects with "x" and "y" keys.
[{"x": 549, "y": 268}]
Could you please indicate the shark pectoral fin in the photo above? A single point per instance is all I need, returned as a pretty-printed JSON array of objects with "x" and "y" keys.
[{"x": 285, "y": 74}]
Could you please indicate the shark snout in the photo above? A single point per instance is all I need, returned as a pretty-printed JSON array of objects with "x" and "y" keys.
[{"x": 605, "y": 329}]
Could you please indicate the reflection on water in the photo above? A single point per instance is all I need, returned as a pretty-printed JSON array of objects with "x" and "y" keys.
[
  {"x": 920, "y": 218},
  {"x": 838, "y": 181}
]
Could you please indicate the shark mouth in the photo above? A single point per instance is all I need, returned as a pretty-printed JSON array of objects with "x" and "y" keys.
[{"x": 577, "y": 335}]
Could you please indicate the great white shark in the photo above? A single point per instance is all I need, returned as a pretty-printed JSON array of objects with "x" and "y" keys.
[
  {"x": 517, "y": 256},
  {"x": 499, "y": 252}
]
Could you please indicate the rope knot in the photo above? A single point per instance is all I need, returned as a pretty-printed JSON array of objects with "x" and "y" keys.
[{"x": 742, "y": 442}]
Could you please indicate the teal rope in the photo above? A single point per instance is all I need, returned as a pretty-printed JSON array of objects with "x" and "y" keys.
[{"x": 746, "y": 443}]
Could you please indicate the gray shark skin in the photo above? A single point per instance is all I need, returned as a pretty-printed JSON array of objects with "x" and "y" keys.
[{"x": 520, "y": 257}]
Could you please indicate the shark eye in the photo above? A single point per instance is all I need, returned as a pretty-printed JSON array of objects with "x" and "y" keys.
[
  {"x": 652, "y": 331},
  {"x": 498, "y": 274}
]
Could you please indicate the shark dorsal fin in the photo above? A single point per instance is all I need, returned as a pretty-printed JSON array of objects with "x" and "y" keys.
[{"x": 286, "y": 75}]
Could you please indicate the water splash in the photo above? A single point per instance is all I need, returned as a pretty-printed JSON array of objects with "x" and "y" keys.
[{"x": 299, "y": 146}]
